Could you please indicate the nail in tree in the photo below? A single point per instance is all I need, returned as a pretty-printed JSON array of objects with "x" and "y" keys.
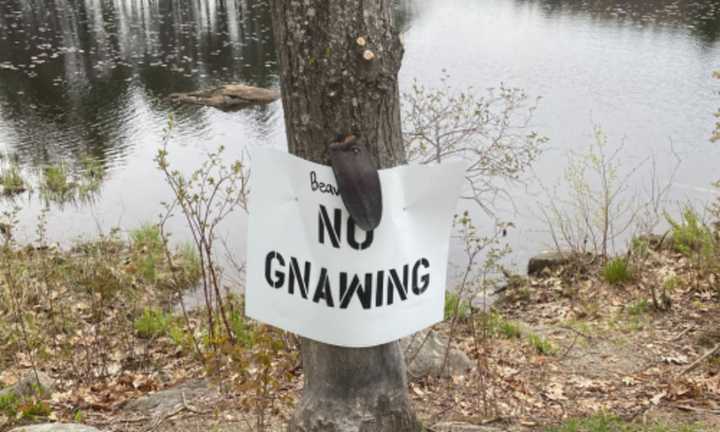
[{"x": 339, "y": 61}]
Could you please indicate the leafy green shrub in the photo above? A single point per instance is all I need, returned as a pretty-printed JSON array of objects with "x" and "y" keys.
[
  {"x": 690, "y": 234},
  {"x": 242, "y": 331},
  {"x": 34, "y": 409},
  {"x": 9, "y": 404},
  {"x": 694, "y": 239},
  {"x": 179, "y": 336},
  {"x": 147, "y": 245},
  {"x": 16, "y": 408},
  {"x": 152, "y": 323},
  {"x": 593, "y": 210},
  {"x": 147, "y": 236},
  {"x": 617, "y": 271},
  {"x": 455, "y": 306}
]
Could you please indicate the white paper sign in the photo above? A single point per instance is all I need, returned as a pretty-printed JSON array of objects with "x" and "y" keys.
[{"x": 312, "y": 272}]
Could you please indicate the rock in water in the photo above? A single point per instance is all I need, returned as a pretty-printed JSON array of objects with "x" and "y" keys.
[
  {"x": 55, "y": 427},
  {"x": 229, "y": 97}
]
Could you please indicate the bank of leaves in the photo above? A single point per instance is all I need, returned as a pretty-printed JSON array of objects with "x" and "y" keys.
[
  {"x": 101, "y": 318},
  {"x": 74, "y": 312},
  {"x": 568, "y": 344}
]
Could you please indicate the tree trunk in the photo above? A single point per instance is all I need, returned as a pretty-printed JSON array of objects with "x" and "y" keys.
[{"x": 339, "y": 61}]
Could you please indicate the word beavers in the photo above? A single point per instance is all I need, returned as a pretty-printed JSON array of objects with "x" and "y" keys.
[{"x": 376, "y": 289}]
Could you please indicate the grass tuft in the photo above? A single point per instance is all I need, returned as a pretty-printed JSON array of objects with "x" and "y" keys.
[
  {"x": 455, "y": 306},
  {"x": 152, "y": 323},
  {"x": 694, "y": 239},
  {"x": 541, "y": 345},
  {"x": 638, "y": 308},
  {"x": 147, "y": 246},
  {"x": 617, "y": 271},
  {"x": 509, "y": 329}
]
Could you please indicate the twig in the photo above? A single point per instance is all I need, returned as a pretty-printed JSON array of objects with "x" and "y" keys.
[
  {"x": 410, "y": 359},
  {"x": 694, "y": 364},
  {"x": 569, "y": 348},
  {"x": 682, "y": 333},
  {"x": 691, "y": 408},
  {"x": 162, "y": 418},
  {"x": 191, "y": 408},
  {"x": 184, "y": 406},
  {"x": 118, "y": 421},
  {"x": 578, "y": 332}
]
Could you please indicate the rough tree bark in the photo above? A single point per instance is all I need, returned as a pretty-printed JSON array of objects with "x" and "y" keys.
[{"x": 339, "y": 61}]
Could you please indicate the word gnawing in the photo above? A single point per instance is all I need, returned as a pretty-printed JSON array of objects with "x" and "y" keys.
[{"x": 311, "y": 271}]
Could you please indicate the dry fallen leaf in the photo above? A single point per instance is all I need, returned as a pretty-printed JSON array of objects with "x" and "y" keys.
[
  {"x": 658, "y": 397},
  {"x": 678, "y": 359},
  {"x": 555, "y": 392},
  {"x": 629, "y": 381}
]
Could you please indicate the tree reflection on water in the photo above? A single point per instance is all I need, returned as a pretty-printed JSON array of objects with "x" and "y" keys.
[{"x": 70, "y": 71}]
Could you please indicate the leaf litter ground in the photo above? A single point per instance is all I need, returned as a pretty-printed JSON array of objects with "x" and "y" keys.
[{"x": 581, "y": 347}]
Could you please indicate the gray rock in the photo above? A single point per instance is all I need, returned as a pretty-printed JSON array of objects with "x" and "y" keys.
[
  {"x": 547, "y": 260},
  {"x": 168, "y": 399},
  {"x": 425, "y": 353},
  {"x": 28, "y": 385},
  {"x": 656, "y": 242},
  {"x": 484, "y": 301},
  {"x": 464, "y": 427},
  {"x": 56, "y": 427}
]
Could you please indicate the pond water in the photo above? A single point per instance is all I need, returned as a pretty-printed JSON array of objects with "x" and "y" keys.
[{"x": 91, "y": 78}]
